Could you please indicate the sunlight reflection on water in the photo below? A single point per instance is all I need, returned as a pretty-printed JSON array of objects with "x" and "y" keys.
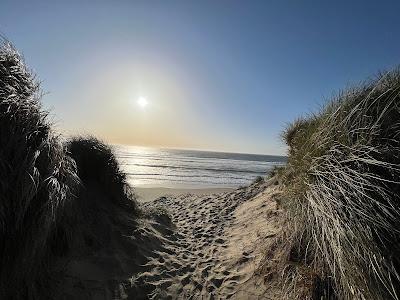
[{"x": 192, "y": 169}]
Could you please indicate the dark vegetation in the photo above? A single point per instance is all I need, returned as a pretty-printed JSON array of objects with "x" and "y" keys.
[
  {"x": 258, "y": 179},
  {"x": 57, "y": 199},
  {"x": 341, "y": 191}
]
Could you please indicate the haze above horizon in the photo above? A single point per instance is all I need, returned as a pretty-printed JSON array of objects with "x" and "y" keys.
[{"x": 221, "y": 76}]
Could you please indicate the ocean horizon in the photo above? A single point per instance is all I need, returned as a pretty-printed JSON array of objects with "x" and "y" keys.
[{"x": 179, "y": 168}]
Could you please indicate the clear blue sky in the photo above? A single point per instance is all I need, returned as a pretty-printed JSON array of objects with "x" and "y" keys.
[{"x": 219, "y": 75}]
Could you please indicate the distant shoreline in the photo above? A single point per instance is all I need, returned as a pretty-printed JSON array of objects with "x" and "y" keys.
[
  {"x": 183, "y": 169},
  {"x": 149, "y": 193}
]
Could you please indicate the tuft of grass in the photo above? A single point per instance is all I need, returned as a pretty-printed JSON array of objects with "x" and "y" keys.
[
  {"x": 97, "y": 165},
  {"x": 105, "y": 202},
  {"x": 258, "y": 179},
  {"x": 276, "y": 171},
  {"x": 341, "y": 191}
]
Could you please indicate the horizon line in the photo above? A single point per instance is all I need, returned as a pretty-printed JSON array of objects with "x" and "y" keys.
[{"x": 196, "y": 149}]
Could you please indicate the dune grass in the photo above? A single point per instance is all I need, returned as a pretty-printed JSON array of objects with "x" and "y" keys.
[
  {"x": 97, "y": 164},
  {"x": 106, "y": 205},
  {"x": 57, "y": 199},
  {"x": 37, "y": 178},
  {"x": 342, "y": 194}
]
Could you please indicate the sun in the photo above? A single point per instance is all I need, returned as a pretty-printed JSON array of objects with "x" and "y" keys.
[{"x": 142, "y": 102}]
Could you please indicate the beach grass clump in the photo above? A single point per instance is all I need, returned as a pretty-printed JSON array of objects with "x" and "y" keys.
[
  {"x": 105, "y": 202},
  {"x": 58, "y": 200},
  {"x": 37, "y": 179},
  {"x": 276, "y": 171},
  {"x": 341, "y": 191},
  {"x": 258, "y": 179},
  {"x": 97, "y": 165}
]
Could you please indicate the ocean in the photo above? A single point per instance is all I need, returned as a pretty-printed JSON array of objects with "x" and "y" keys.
[{"x": 170, "y": 168}]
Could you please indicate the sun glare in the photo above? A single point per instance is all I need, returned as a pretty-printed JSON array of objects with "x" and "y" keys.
[{"x": 142, "y": 102}]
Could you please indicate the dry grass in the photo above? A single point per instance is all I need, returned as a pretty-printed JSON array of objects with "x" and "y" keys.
[
  {"x": 56, "y": 199},
  {"x": 342, "y": 193},
  {"x": 97, "y": 164},
  {"x": 106, "y": 205},
  {"x": 37, "y": 178}
]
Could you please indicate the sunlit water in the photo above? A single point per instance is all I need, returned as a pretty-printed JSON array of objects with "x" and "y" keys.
[{"x": 192, "y": 169}]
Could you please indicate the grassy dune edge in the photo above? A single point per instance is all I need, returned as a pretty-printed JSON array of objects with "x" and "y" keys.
[
  {"x": 341, "y": 192},
  {"x": 59, "y": 200}
]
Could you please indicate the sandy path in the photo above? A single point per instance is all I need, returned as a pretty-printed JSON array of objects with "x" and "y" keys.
[
  {"x": 214, "y": 248},
  {"x": 209, "y": 247}
]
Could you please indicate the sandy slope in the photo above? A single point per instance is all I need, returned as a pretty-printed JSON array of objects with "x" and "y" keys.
[
  {"x": 214, "y": 249},
  {"x": 209, "y": 247}
]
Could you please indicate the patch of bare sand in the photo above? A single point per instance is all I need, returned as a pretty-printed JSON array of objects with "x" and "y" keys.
[{"x": 215, "y": 248}]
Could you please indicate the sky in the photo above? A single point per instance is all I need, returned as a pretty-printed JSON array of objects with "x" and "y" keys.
[{"x": 217, "y": 75}]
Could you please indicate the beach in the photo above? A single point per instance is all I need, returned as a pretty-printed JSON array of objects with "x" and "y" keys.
[
  {"x": 177, "y": 169},
  {"x": 146, "y": 194},
  {"x": 199, "y": 150},
  {"x": 192, "y": 242},
  {"x": 171, "y": 172},
  {"x": 215, "y": 222},
  {"x": 83, "y": 219}
]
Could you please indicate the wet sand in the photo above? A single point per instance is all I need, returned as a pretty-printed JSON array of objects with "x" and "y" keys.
[{"x": 146, "y": 194}]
